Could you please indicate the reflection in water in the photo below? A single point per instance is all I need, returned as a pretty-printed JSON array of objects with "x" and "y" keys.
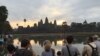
[
  {"x": 37, "y": 43},
  {"x": 32, "y": 42},
  {"x": 16, "y": 42},
  {"x": 60, "y": 42},
  {"x": 53, "y": 43},
  {"x": 38, "y": 48}
]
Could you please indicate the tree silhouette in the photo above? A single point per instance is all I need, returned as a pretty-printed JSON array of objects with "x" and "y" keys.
[
  {"x": 64, "y": 23},
  {"x": 3, "y": 17},
  {"x": 7, "y": 28},
  {"x": 17, "y": 24},
  {"x": 3, "y": 13},
  {"x": 64, "y": 26},
  {"x": 25, "y": 22}
]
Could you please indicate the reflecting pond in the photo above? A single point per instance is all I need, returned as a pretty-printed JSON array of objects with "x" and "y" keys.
[{"x": 38, "y": 47}]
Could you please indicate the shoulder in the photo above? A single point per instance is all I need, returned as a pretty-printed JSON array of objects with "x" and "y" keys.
[
  {"x": 92, "y": 44},
  {"x": 43, "y": 52},
  {"x": 74, "y": 48},
  {"x": 23, "y": 51},
  {"x": 64, "y": 47},
  {"x": 29, "y": 52},
  {"x": 17, "y": 50},
  {"x": 97, "y": 42},
  {"x": 86, "y": 46},
  {"x": 52, "y": 49}
]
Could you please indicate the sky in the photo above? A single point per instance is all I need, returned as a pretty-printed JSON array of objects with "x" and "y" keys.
[{"x": 60, "y": 10}]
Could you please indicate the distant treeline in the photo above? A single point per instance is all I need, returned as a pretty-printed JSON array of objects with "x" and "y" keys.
[{"x": 49, "y": 27}]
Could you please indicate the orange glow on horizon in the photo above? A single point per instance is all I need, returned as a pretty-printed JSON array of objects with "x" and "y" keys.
[
  {"x": 31, "y": 23},
  {"x": 21, "y": 23}
]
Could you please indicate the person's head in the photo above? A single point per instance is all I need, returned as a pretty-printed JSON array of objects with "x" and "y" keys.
[
  {"x": 47, "y": 44},
  {"x": 11, "y": 48},
  {"x": 59, "y": 53},
  {"x": 95, "y": 37},
  {"x": 25, "y": 43},
  {"x": 90, "y": 39},
  {"x": 69, "y": 39}
]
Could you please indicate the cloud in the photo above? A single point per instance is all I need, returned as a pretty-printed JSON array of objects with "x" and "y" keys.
[
  {"x": 67, "y": 10},
  {"x": 50, "y": 11}
]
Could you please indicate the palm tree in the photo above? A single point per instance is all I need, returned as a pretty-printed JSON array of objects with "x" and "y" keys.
[
  {"x": 17, "y": 24},
  {"x": 64, "y": 23},
  {"x": 25, "y": 22}
]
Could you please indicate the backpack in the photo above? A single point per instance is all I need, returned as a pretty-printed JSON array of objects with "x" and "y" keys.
[{"x": 94, "y": 50}]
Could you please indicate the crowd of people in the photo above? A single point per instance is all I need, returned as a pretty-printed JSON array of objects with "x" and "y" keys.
[{"x": 91, "y": 48}]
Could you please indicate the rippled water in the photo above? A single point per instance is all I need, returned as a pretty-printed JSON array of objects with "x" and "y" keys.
[{"x": 38, "y": 48}]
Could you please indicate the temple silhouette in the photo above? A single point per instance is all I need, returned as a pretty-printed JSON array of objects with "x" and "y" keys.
[
  {"x": 52, "y": 27},
  {"x": 49, "y": 27}
]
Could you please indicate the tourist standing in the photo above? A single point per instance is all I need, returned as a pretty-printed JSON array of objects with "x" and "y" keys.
[
  {"x": 90, "y": 49},
  {"x": 24, "y": 51},
  {"x": 97, "y": 42},
  {"x": 48, "y": 51},
  {"x": 69, "y": 49}
]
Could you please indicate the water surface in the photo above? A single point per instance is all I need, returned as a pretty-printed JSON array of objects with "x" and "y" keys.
[{"x": 38, "y": 48}]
